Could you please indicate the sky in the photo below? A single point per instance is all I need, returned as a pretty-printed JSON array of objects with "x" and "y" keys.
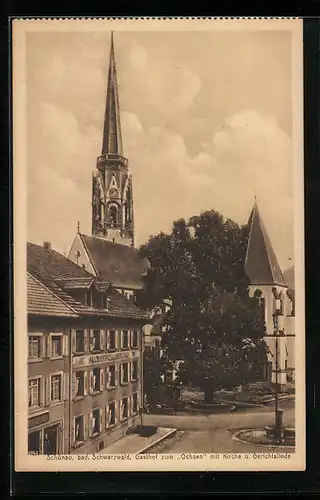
[{"x": 206, "y": 124}]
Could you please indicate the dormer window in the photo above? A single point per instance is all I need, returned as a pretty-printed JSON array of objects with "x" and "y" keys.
[{"x": 88, "y": 298}]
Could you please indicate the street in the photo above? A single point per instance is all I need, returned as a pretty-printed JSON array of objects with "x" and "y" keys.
[{"x": 213, "y": 433}]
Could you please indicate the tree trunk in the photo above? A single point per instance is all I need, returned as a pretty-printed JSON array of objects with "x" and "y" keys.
[{"x": 208, "y": 393}]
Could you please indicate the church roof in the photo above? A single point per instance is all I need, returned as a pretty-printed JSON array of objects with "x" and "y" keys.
[
  {"x": 261, "y": 263},
  {"x": 119, "y": 264},
  {"x": 51, "y": 269},
  {"x": 112, "y": 137}
]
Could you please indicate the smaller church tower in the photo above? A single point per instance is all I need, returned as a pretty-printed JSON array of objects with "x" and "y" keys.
[
  {"x": 112, "y": 198},
  {"x": 268, "y": 286}
]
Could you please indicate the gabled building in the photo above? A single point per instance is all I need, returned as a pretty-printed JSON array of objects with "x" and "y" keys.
[
  {"x": 85, "y": 351},
  {"x": 267, "y": 284},
  {"x": 109, "y": 253}
]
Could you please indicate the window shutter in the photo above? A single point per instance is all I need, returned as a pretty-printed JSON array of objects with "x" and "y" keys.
[
  {"x": 65, "y": 342},
  {"x": 85, "y": 427},
  {"x": 74, "y": 384},
  {"x": 66, "y": 386},
  {"x": 130, "y": 409},
  {"x": 130, "y": 339},
  {"x": 101, "y": 379},
  {"x": 43, "y": 346},
  {"x": 49, "y": 345},
  {"x": 108, "y": 339},
  {"x": 116, "y": 374},
  {"x": 73, "y": 340},
  {"x": 85, "y": 383},
  {"x": 130, "y": 372},
  {"x": 121, "y": 339},
  {"x": 47, "y": 381},
  {"x": 90, "y": 424},
  {"x": 91, "y": 382},
  {"x": 121, "y": 409},
  {"x": 102, "y": 336},
  {"x": 42, "y": 391},
  {"x": 86, "y": 340},
  {"x": 121, "y": 374},
  {"x": 100, "y": 412},
  {"x": 73, "y": 432},
  {"x": 91, "y": 339},
  {"x": 116, "y": 418},
  {"x": 108, "y": 376}
]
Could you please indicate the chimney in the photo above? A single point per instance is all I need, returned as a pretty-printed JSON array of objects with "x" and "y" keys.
[{"x": 47, "y": 245}]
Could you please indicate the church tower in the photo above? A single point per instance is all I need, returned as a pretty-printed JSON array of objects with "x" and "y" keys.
[
  {"x": 268, "y": 286},
  {"x": 112, "y": 199}
]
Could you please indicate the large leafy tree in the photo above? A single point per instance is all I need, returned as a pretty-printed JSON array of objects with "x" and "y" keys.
[{"x": 213, "y": 325}]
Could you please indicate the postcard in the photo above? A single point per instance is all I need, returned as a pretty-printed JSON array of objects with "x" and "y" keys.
[{"x": 158, "y": 244}]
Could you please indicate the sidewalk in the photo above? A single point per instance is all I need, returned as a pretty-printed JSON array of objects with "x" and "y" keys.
[{"x": 137, "y": 444}]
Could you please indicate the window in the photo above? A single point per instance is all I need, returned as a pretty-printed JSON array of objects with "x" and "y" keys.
[
  {"x": 95, "y": 422},
  {"x": 79, "y": 389},
  {"x": 135, "y": 402},
  {"x": 34, "y": 346},
  {"x": 112, "y": 340},
  {"x": 95, "y": 344},
  {"x": 125, "y": 339},
  {"x": 124, "y": 408},
  {"x": 111, "y": 414},
  {"x": 124, "y": 373},
  {"x": 79, "y": 429},
  {"x": 96, "y": 380},
  {"x": 88, "y": 298},
  {"x": 56, "y": 345},
  {"x": 35, "y": 393},
  {"x": 113, "y": 215},
  {"x": 134, "y": 370},
  {"x": 34, "y": 443},
  {"x": 135, "y": 338},
  {"x": 56, "y": 383},
  {"x": 112, "y": 376},
  {"x": 79, "y": 341}
]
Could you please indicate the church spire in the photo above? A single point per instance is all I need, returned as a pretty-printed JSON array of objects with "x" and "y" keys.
[
  {"x": 112, "y": 197},
  {"x": 261, "y": 263},
  {"x": 112, "y": 138}
]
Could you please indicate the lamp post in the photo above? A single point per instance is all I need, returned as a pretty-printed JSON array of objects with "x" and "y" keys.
[{"x": 278, "y": 413}]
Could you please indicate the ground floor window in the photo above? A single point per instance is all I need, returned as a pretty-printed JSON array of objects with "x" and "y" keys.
[
  {"x": 50, "y": 440},
  {"x": 79, "y": 429},
  {"x": 124, "y": 408},
  {"x": 135, "y": 402},
  {"x": 46, "y": 441},
  {"x": 111, "y": 414},
  {"x": 34, "y": 443},
  {"x": 95, "y": 421}
]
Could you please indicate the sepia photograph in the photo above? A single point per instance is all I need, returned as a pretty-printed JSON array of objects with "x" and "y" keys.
[{"x": 158, "y": 244}]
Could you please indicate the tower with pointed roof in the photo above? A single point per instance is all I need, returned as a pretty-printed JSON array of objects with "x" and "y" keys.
[
  {"x": 112, "y": 198},
  {"x": 267, "y": 284}
]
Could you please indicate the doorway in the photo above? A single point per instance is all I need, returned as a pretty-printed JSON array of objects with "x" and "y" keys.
[
  {"x": 34, "y": 443},
  {"x": 50, "y": 440}
]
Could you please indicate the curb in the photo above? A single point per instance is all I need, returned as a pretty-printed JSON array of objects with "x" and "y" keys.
[
  {"x": 161, "y": 438},
  {"x": 236, "y": 438}
]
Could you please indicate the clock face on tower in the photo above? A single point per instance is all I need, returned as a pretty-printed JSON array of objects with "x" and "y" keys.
[{"x": 113, "y": 192}]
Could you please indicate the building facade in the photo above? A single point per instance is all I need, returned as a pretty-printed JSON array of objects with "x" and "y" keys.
[
  {"x": 267, "y": 284},
  {"x": 85, "y": 357}
]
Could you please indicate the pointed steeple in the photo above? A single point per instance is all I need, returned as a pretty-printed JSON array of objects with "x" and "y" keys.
[
  {"x": 261, "y": 265},
  {"x": 112, "y": 138}
]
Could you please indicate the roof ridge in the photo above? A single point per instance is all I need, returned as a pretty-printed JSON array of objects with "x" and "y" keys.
[
  {"x": 268, "y": 243},
  {"x": 88, "y": 252},
  {"x": 52, "y": 292}
]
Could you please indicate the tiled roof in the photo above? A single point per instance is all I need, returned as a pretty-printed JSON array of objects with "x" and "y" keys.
[
  {"x": 42, "y": 302},
  {"x": 121, "y": 265},
  {"x": 288, "y": 275},
  {"x": 261, "y": 263},
  {"x": 50, "y": 268}
]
